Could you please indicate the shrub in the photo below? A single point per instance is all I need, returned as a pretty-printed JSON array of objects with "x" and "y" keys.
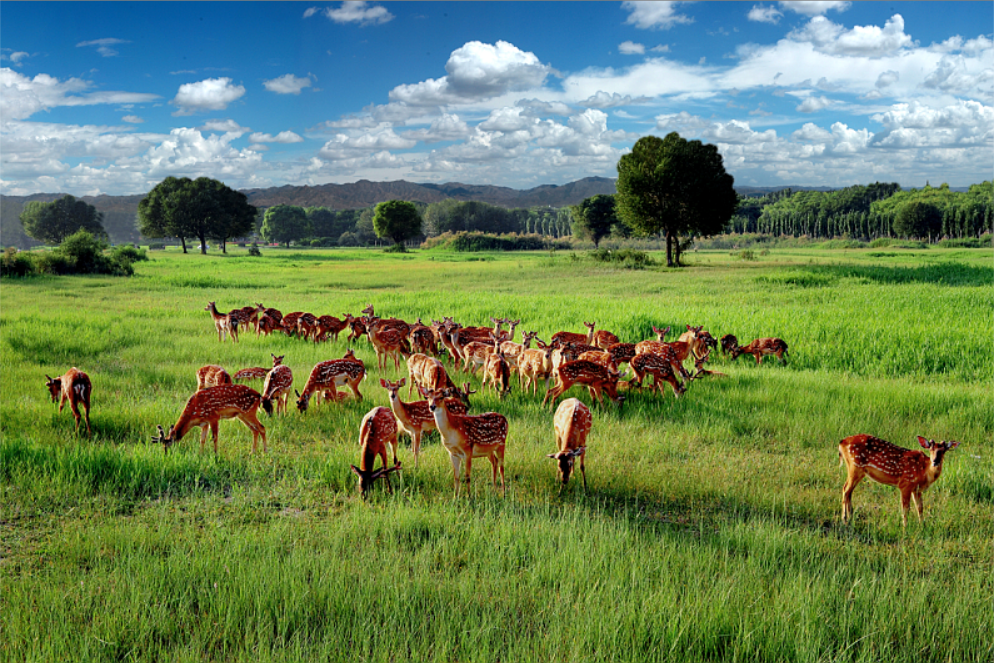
[
  {"x": 627, "y": 258},
  {"x": 478, "y": 241},
  {"x": 156, "y": 246},
  {"x": 85, "y": 253},
  {"x": 982, "y": 242},
  {"x": 16, "y": 263},
  {"x": 128, "y": 253},
  {"x": 744, "y": 254},
  {"x": 880, "y": 243},
  {"x": 348, "y": 239},
  {"x": 254, "y": 250},
  {"x": 54, "y": 262}
]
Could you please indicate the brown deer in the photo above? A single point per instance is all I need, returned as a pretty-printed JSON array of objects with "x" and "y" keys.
[
  {"x": 327, "y": 376},
  {"x": 564, "y": 337},
  {"x": 208, "y": 406},
  {"x": 223, "y": 323},
  {"x": 74, "y": 386},
  {"x": 212, "y": 375},
  {"x": 728, "y": 343},
  {"x": 595, "y": 377},
  {"x": 469, "y": 436},
  {"x": 477, "y": 353},
  {"x": 661, "y": 370},
  {"x": 602, "y": 338},
  {"x": 422, "y": 339},
  {"x": 622, "y": 352},
  {"x": 288, "y": 323},
  {"x": 257, "y": 372},
  {"x": 533, "y": 364},
  {"x": 357, "y": 327},
  {"x": 699, "y": 370},
  {"x": 377, "y": 430},
  {"x": 389, "y": 342},
  {"x": 602, "y": 357},
  {"x": 277, "y": 388},
  {"x": 911, "y": 471},
  {"x": 572, "y": 424},
  {"x": 415, "y": 419},
  {"x": 763, "y": 346},
  {"x": 328, "y": 325},
  {"x": 513, "y": 350},
  {"x": 498, "y": 372}
]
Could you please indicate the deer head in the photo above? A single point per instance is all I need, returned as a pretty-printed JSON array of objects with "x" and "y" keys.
[
  {"x": 936, "y": 450},
  {"x": 277, "y": 361},
  {"x": 564, "y": 461},
  {"x": 54, "y": 387},
  {"x": 165, "y": 440},
  {"x": 368, "y": 477},
  {"x": 302, "y": 401}
]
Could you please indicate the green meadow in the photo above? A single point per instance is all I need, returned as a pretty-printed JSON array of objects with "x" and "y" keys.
[{"x": 711, "y": 530}]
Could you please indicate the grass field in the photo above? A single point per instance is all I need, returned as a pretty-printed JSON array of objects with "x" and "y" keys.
[{"x": 711, "y": 530}]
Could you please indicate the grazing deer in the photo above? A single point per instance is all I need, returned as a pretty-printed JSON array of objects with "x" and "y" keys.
[
  {"x": 267, "y": 319},
  {"x": 212, "y": 375},
  {"x": 594, "y": 376},
  {"x": 257, "y": 372},
  {"x": 208, "y": 406},
  {"x": 74, "y": 386},
  {"x": 661, "y": 370},
  {"x": 535, "y": 363},
  {"x": 728, "y": 343},
  {"x": 329, "y": 325},
  {"x": 377, "y": 430},
  {"x": 912, "y": 472},
  {"x": 289, "y": 322},
  {"x": 414, "y": 418},
  {"x": 223, "y": 323},
  {"x": 622, "y": 352},
  {"x": 327, "y": 376},
  {"x": 603, "y": 339},
  {"x": 469, "y": 436},
  {"x": 572, "y": 424},
  {"x": 357, "y": 327},
  {"x": 763, "y": 346},
  {"x": 498, "y": 371},
  {"x": 699, "y": 370},
  {"x": 278, "y": 384}
]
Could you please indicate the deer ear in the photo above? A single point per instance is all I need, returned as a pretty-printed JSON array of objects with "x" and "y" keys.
[
  {"x": 552, "y": 456},
  {"x": 952, "y": 444},
  {"x": 402, "y": 382},
  {"x": 383, "y": 383},
  {"x": 926, "y": 444}
]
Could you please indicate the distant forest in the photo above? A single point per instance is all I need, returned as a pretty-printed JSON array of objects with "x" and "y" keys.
[{"x": 857, "y": 212}]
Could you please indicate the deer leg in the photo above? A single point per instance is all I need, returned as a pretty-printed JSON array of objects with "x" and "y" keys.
[
  {"x": 469, "y": 466},
  {"x": 74, "y": 406},
  {"x": 583, "y": 470},
  {"x": 214, "y": 427},
  {"x": 905, "y": 503},
  {"x": 416, "y": 445},
  {"x": 203, "y": 436},
  {"x": 62, "y": 401},
  {"x": 493, "y": 470},
  {"x": 456, "y": 462},
  {"x": 919, "y": 504},
  {"x": 853, "y": 478},
  {"x": 759, "y": 358},
  {"x": 86, "y": 404}
]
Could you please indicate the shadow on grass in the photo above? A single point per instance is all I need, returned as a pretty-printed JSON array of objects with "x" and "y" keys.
[{"x": 942, "y": 273}]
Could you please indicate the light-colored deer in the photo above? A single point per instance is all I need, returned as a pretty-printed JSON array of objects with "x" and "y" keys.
[
  {"x": 327, "y": 376},
  {"x": 74, "y": 386},
  {"x": 389, "y": 342},
  {"x": 533, "y": 364},
  {"x": 212, "y": 375},
  {"x": 498, "y": 372},
  {"x": 513, "y": 350},
  {"x": 467, "y": 436},
  {"x": 223, "y": 323},
  {"x": 377, "y": 430},
  {"x": 595, "y": 377},
  {"x": 572, "y": 424},
  {"x": 763, "y": 346},
  {"x": 911, "y": 471},
  {"x": 207, "y": 407},
  {"x": 415, "y": 419}
]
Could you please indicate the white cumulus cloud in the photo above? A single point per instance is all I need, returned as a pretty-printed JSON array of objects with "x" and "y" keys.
[
  {"x": 22, "y": 97},
  {"x": 862, "y": 40},
  {"x": 287, "y": 84},
  {"x": 282, "y": 137},
  {"x": 206, "y": 95},
  {"x": 815, "y": 7},
  {"x": 814, "y": 104},
  {"x": 631, "y": 48},
  {"x": 762, "y": 14},
  {"x": 354, "y": 11},
  {"x": 647, "y": 15}
]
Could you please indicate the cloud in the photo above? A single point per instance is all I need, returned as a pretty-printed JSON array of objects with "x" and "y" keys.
[
  {"x": 104, "y": 45},
  {"x": 538, "y": 107},
  {"x": 21, "y": 97},
  {"x": 15, "y": 56},
  {"x": 281, "y": 137},
  {"x": 952, "y": 75},
  {"x": 870, "y": 40},
  {"x": 887, "y": 78},
  {"x": 631, "y": 48},
  {"x": 448, "y": 127},
  {"x": 132, "y": 119},
  {"x": 345, "y": 146},
  {"x": 206, "y": 95},
  {"x": 477, "y": 71},
  {"x": 662, "y": 48},
  {"x": 287, "y": 84},
  {"x": 650, "y": 15},
  {"x": 814, "y": 7},
  {"x": 814, "y": 104},
  {"x": 762, "y": 14},
  {"x": 354, "y": 11},
  {"x": 604, "y": 100},
  {"x": 223, "y": 126}
]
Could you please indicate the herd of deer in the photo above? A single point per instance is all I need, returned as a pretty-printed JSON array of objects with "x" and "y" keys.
[{"x": 589, "y": 360}]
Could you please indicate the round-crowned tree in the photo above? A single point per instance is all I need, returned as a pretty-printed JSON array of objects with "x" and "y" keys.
[
  {"x": 397, "y": 219},
  {"x": 55, "y": 221}
]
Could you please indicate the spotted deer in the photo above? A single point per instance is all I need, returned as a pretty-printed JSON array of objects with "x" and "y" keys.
[
  {"x": 377, "y": 430},
  {"x": 763, "y": 346},
  {"x": 513, "y": 350},
  {"x": 700, "y": 371},
  {"x": 422, "y": 339},
  {"x": 277, "y": 388},
  {"x": 602, "y": 338},
  {"x": 208, "y": 407},
  {"x": 572, "y": 425},
  {"x": 477, "y": 353},
  {"x": 564, "y": 337},
  {"x": 329, "y": 325},
  {"x": 418, "y": 367},
  {"x": 595, "y": 377},
  {"x": 327, "y": 376},
  {"x": 602, "y": 357},
  {"x": 212, "y": 375},
  {"x": 911, "y": 471},
  {"x": 622, "y": 353},
  {"x": 535, "y": 364},
  {"x": 223, "y": 323},
  {"x": 288, "y": 323},
  {"x": 415, "y": 419},
  {"x": 498, "y": 372},
  {"x": 73, "y": 386},
  {"x": 469, "y": 436},
  {"x": 661, "y": 370},
  {"x": 389, "y": 342},
  {"x": 257, "y": 372}
]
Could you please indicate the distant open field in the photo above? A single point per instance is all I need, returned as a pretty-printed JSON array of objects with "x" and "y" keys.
[{"x": 711, "y": 530}]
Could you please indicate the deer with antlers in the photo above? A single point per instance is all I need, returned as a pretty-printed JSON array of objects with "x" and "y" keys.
[
  {"x": 469, "y": 436},
  {"x": 377, "y": 430},
  {"x": 761, "y": 347},
  {"x": 223, "y": 323},
  {"x": 206, "y": 408},
  {"x": 572, "y": 425},
  {"x": 327, "y": 376},
  {"x": 212, "y": 375},
  {"x": 415, "y": 419},
  {"x": 595, "y": 377},
  {"x": 728, "y": 343},
  {"x": 74, "y": 386},
  {"x": 911, "y": 471}
]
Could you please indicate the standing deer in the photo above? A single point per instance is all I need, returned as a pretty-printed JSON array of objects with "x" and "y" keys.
[
  {"x": 911, "y": 471},
  {"x": 74, "y": 387},
  {"x": 257, "y": 372},
  {"x": 467, "y": 436},
  {"x": 535, "y": 363},
  {"x": 595, "y": 377},
  {"x": 377, "y": 430},
  {"x": 498, "y": 371},
  {"x": 327, "y": 376},
  {"x": 728, "y": 343},
  {"x": 278, "y": 384},
  {"x": 414, "y": 418},
  {"x": 602, "y": 338},
  {"x": 572, "y": 424},
  {"x": 208, "y": 406},
  {"x": 212, "y": 375},
  {"x": 763, "y": 346},
  {"x": 223, "y": 323},
  {"x": 661, "y": 370}
]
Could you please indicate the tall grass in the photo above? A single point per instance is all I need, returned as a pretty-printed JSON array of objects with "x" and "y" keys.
[{"x": 711, "y": 529}]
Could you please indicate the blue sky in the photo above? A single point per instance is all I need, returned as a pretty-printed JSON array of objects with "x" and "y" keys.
[{"x": 110, "y": 98}]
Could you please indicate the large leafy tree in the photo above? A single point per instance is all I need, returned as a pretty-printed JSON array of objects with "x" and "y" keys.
[
  {"x": 918, "y": 219},
  {"x": 203, "y": 208},
  {"x": 675, "y": 187},
  {"x": 53, "y": 222},
  {"x": 397, "y": 219},
  {"x": 594, "y": 218},
  {"x": 285, "y": 223}
]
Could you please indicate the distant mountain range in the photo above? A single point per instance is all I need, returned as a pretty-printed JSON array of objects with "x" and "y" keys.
[{"x": 120, "y": 211}]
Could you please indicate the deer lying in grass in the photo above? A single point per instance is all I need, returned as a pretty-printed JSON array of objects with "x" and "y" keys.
[
  {"x": 212, "y": 375},
  {"x": 763, "y": 346},
  {"x": 572, "y": 424},
  {"x": 911, "y": 471},
  {"x": 377, "y": 430},
  {"x": 208, "y": 406},
  {"x": 467, "y": 436},
  {"x": 74, "y": 386}
]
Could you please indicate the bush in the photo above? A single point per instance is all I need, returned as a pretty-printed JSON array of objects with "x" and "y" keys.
[
  {"x": 85, "y": 253},
  {"x": 478, "y": 241},
  {"x": 744, "y": 254},
  {"x": 396, "y": 248},
  {"x": 16, "y": 263},
  {"x": 127, "y": 253},
  {"x": 880, "y": 243},
  {"x": 254, "y": 250},
  {"x": 157, "y": 246},
  {"x": 349, "y": 239},
  {"x": 627, "y": 258},
  {"x": 982, "y": 242},
  {"x": 54, "y": 262}
]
